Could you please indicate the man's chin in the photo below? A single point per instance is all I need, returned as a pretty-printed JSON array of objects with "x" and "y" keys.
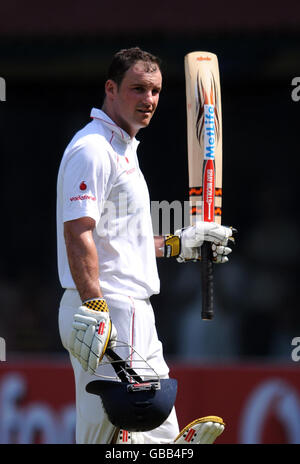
[
  {"x": 141, "y": 123},
  {"x": 145, "y": 122}
]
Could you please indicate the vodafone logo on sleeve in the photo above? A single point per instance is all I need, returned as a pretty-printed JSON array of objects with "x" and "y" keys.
[{"x": 82, "y": 188}]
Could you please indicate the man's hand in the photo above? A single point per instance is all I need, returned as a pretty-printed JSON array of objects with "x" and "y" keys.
[
  {"x": 186, "y": 244},
  {"x": 92, "y": 333}
]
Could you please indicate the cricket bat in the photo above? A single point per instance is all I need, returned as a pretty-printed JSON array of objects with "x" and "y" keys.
[{"x": 204, "y": 137}]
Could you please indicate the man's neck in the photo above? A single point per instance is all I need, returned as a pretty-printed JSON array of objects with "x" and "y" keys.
[{"x": 105, "y": 108}]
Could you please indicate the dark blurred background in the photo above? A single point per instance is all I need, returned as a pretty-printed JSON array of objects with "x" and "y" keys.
[{"x": 53, "y": 59}]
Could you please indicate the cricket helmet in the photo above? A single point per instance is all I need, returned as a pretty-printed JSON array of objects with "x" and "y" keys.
[
  {"x": 136, "y": 407},
  {"x": 132, "y": 402}
]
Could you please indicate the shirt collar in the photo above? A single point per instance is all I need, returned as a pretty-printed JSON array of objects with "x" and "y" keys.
[{"x": 111, "y": 125}]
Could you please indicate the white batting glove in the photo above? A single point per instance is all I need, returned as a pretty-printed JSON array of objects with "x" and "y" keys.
[
  {"x": 194, "y": 236},
  {"x": 202, "y": 431},
  {"x": 92, "y": 333},
  {"x": 186, "y": 244}
]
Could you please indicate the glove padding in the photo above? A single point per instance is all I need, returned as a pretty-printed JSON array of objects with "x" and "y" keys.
[
  {"x": 202, "y": 431},
  {"x": 192, "y": 239},
  {"x": 219, "y": 254},
  {"x": 92, "y": 333}
]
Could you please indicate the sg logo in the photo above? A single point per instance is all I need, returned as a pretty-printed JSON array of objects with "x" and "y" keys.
[{"x": 296, "y": 351}]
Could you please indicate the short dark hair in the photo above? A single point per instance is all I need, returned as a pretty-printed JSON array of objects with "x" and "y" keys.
[{"x": 127, "y": 57}]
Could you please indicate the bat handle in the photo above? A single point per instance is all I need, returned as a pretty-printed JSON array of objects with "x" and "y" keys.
[{"x": 207, "y": 282}]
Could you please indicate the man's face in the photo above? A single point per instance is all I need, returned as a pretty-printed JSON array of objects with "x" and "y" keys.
[{"x": 133, "y": 103}]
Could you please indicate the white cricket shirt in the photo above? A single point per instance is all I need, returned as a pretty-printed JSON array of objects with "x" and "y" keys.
[{"x": 99, "y": 177}]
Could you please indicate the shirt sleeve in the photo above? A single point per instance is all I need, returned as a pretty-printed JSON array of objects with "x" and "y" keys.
[{"x": 86, "y": 180}]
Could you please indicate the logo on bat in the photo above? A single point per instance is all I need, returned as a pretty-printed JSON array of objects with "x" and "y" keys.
[
  {"x": 208, "y": 113},
  {"x": 209, "y": 132},
  {"x": 203, "y": 58}
]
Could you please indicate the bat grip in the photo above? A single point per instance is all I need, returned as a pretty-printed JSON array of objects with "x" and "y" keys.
[{"x": 207, "y": 282}]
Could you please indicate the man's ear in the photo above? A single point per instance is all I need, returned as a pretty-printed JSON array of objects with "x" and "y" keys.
[{"x": 111, "y": 88}]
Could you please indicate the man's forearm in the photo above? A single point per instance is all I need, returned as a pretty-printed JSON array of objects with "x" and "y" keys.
[
  {"x": 83, "y": 262},
  {"x": 159, "y": 242}
]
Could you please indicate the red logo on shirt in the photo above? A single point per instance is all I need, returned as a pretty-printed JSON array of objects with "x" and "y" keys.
[
  {"x": 82, "y": 186},
  {"x": 82, "y": 197}
]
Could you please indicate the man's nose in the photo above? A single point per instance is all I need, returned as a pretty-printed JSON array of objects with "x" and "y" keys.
[{"x": 148, "y": 97}]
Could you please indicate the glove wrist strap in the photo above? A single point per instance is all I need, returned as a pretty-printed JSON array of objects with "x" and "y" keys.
[
  {"x": 172, "y": 246},
  {"x": 96, "y": 304}
]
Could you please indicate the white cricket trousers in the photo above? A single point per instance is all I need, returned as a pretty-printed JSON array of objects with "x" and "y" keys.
[{"x": 135, "y": 324}]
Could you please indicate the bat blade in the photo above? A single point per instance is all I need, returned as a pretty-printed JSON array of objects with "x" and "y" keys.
[{"x": 204, "y": 135}]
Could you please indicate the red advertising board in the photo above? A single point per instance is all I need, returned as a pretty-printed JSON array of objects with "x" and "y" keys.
[
  {"x": 36, "y": 403},
  {"x": 260, "y": 404}
]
